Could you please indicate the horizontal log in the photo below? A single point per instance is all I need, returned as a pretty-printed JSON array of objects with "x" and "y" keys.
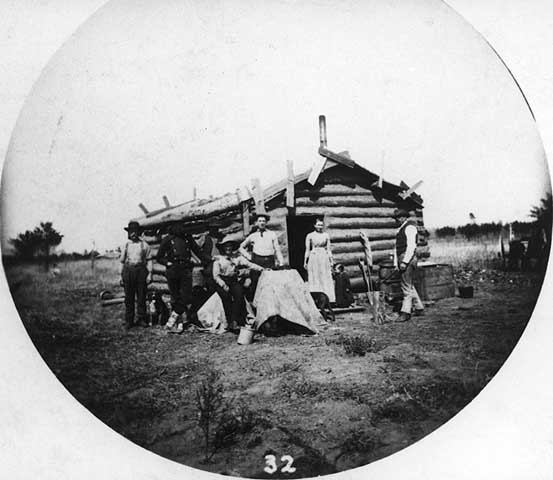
[
  {"x": 151, "y": 239},
  {"x": 361, "y": 223},
  {"x": 113, "y": 301},
  {"x": 277, "y": 225},
  {"x": 343, "y": 235},
  {"x": 338, "y": 201},
  {"x": 158, "y": 278},
  {"x": 158, "y": 268},
  {"x": 196, "y": 211},
  {"x": 348, "y": 212},
  {"x": 278, "y": 212},
  {"x": 158, "y": 287},
  {"x": 339, "y": 189},
  {"x": 376, "y": 245},
  {"x": 357, "y": 246},
  {"x": 233, "y": 228},
  {"x": 353, "y": 258}
]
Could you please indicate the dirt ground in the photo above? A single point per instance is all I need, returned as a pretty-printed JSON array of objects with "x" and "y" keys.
[{"x": 353, "y": 394}]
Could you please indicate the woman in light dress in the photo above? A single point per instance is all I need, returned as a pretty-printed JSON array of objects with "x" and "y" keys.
[{"x": 318, "y": 261}]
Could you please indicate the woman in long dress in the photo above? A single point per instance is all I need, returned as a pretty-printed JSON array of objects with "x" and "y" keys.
[{"x": 318, "y": 261}]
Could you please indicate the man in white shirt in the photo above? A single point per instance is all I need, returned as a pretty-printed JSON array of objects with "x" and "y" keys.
[
  {"x": 134, "y": 274},
  {"x": 405, "y": 260},
  {"x": 265, "y": 248}
]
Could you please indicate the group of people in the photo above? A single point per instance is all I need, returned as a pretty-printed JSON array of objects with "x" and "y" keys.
[{"x": 223, "y": 259}]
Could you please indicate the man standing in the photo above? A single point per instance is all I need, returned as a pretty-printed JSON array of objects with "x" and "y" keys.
[
  {"x": 405, "y": 259},
  {"x": 134, "y": 274},
  {"x": 265, "y": 248},
  {"x": 175, "y": 253}
]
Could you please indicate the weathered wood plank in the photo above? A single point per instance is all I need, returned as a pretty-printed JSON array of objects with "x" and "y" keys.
[
  {"x": 257, "y": 193},
  {"x": 336, "y": 157},
  {"x": 246, "y": 218},
  {"x": 290, "y": 185}
]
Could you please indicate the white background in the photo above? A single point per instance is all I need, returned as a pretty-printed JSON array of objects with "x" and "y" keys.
[{"x": 506, "y": 433}]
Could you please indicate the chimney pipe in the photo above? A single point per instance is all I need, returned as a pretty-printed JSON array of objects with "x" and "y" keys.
[{"x": 322, "y": 130}]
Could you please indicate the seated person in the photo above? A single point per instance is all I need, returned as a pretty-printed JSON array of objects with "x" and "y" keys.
[
  {"x": 227, "y": 284},
  {"x": 344, "y": 296}
]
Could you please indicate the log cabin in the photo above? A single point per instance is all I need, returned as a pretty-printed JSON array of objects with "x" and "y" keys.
[{"x": 347, "y": 196}]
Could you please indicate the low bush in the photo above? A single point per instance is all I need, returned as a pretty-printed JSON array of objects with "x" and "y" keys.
[{"x": 356, "y": 345}]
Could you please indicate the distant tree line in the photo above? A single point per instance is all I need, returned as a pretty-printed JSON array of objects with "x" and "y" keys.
[
  {"x": 542, "y": 215},
  {"x": 36, "y": 246}
]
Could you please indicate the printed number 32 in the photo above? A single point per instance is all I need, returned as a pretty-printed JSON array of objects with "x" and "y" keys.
[{"x": 272, "y": 467}]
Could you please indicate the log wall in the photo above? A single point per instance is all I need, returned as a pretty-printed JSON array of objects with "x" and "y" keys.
[{"x": 346, "y": 205}]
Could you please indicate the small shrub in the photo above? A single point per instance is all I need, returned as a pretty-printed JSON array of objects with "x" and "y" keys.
[
  {"x": 355, "y": 345},
  {"x": 299, "y": 385},
  {"x": 219, "y": 422}
]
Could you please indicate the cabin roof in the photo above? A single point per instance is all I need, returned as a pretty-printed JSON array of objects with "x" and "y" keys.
[{"x": 202, "y": 209}]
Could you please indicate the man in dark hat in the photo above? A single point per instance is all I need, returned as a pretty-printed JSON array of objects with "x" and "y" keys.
[
  {"x": 405, "y": 260},
  {"x": 265, "y": 248},
  {"x": 134, "y": 274},
  {"x": 175, "y": 252},
  {"x": 225, "y": 275}
]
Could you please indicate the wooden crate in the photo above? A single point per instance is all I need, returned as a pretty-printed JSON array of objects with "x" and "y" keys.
[{"x": 433, "y": 281}]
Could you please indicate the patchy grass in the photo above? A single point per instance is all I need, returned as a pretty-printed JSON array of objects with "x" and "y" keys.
[{"x": 356, "y": 345}]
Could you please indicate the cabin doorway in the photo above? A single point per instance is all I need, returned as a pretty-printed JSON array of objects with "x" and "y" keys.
[{"x": 298, "y": 227}]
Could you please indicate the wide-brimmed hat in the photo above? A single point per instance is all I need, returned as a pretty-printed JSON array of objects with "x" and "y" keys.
[
  {"x": 226, "y": 241},
  {"x": 266, "y": 216},
  {"x": 132, "y": 227}
]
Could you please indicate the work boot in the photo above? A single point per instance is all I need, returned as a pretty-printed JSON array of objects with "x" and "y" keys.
[
  {"x": 173, "y": 318},
  {"x": 419, "y": 312},
  {"x": 177, "y": 328},
  {"x": 402, "y": 317}
]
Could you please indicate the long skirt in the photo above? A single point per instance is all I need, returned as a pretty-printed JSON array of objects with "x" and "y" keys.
[{"x": 319, "y": 273}]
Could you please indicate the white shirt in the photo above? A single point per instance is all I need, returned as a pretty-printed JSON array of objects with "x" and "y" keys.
[
  {"x": 411, "y": 234},
  {"x": 263, "y": 243},
  {"x": 135, "y": 253}
]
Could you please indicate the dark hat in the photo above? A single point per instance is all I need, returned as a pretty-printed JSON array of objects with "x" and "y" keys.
[
  {"x": 403, "y": 212},
  {"x": 228, "y": 240},
  {"x": 132, "y": 226},
  {"x": 266, "y": 216}
]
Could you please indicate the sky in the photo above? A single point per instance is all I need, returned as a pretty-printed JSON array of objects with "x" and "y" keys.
[{"x": 146, "y": 99}]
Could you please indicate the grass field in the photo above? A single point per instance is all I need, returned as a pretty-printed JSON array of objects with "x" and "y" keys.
[
  {"x": 352, "y": 394},
  {"x": 476, "y": 253}
]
